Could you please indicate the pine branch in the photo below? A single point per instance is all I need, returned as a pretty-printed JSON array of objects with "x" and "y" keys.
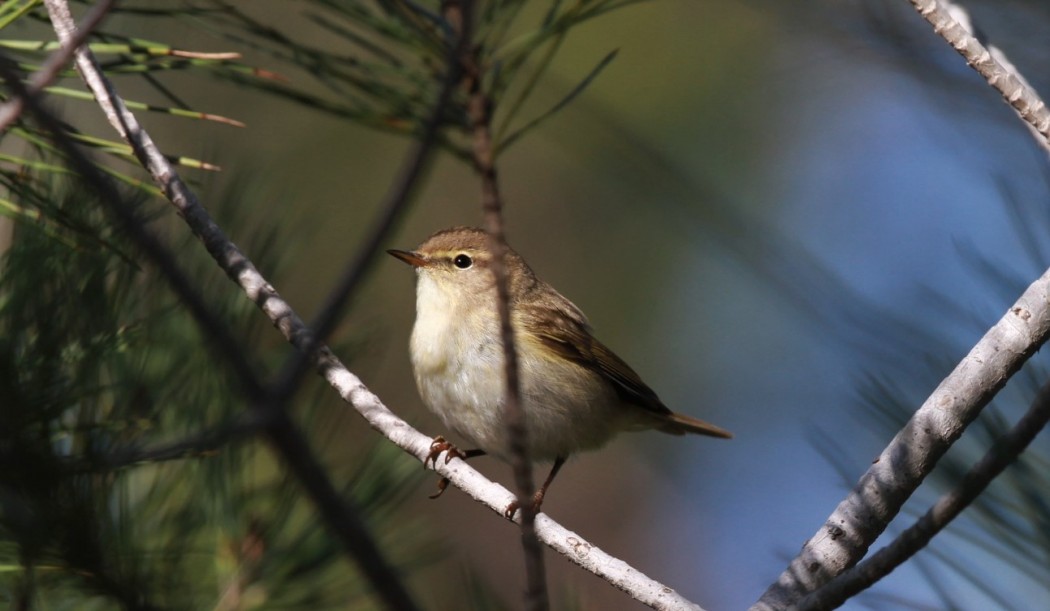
[
  {"x": 479, "y": 107},
  {"x": 898, "y": 471},
  {"x": 912, "y": 454},
  {"x": 416, "y": 161},
  {"x": 952, "y": 23},
  {"x": 948, "y": 507},
  {"x": 49, "y": 71},
  {"x": 349, "y": 387},
  {"x": 342, "y": 518}
]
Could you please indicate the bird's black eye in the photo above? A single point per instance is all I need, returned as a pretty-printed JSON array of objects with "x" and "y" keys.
[{"x": 462, "y": 261}]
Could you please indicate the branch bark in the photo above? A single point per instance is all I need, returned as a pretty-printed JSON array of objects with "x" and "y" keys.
[
  {"x": 989, "y": 63},
  {"x": 947, "y": 508},
  {"x": 864, "y": 514},
  {"x": 911, "y": 455},
  {"x": 479, "y": 109},
  {"x": 243, "y": 272},
  {"x": 48, "y": 72}
]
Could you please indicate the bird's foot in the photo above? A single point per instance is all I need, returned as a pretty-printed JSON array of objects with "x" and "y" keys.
[
  {"x": 439, "y": 445},
  {"x": 537, "y": 501},
  {"x": 442, "y": 484},
  {"x": 537, "y": 497}
]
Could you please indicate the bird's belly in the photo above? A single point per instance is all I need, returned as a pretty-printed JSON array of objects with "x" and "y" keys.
[{"x": 465, "y": 388}]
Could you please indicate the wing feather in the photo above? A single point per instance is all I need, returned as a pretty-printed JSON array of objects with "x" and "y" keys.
[
  {"x": 565, "y": 331},
  {"x": 563, "y": 328}
]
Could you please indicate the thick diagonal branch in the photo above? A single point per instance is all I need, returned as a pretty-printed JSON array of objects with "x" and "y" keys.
[
  {"x": 893, "y": 477},
  {"x": 947, "y": 508}
]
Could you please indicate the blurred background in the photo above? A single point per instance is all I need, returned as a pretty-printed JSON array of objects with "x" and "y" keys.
[{"x": 792, "y": 221}]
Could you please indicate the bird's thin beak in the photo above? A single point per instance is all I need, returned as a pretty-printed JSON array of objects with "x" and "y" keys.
[{"x": 412, "y": 258}]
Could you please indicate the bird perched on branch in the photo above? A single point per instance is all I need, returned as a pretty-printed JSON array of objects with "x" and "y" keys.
[{"x": 575, "y": 393}]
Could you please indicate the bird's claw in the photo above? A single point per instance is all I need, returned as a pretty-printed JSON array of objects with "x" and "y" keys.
[
  {"x": 442, "y": 485},
  {"x": 437, "y": 446},
  {"x": 515, "y": 505}
]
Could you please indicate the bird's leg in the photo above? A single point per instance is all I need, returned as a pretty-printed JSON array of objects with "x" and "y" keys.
[
  {"x": 439, "y": 445},
  {"x": 537, "y": 498}
]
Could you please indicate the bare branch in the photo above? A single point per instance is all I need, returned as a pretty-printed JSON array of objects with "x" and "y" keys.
[
  {"x": 894, "y": 476},
  {"x": 989, "y": 63},
  {"x": 55, "y": 63},
  {"x": 1004, "y": 452},
  {"x": 496, "y": 497},
  {"x": 863, "y": 515}
]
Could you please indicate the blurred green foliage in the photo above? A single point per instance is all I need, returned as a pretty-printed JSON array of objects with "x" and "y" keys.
[
  {"x": 98, "y": 366},
  {"x": 129, "y": 478}
]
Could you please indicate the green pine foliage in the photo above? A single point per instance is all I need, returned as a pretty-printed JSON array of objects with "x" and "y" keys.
[
  {"x": 100, "y": 368},
  {"x": 129, "y": 476}
]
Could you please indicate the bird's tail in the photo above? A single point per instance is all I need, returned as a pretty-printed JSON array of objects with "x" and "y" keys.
[{"x": 679, "y": 424}]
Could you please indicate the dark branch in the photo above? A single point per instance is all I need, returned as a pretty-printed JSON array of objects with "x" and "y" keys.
[
  {"x": 203, "y": 445},
  {"x": 480, "y": 113}
]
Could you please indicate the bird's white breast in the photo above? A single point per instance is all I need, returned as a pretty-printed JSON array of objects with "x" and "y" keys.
[
  {"x": 458, "y": 373},
  {"x": 458, "y": 361}
]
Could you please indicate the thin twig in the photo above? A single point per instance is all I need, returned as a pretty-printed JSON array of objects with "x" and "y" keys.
[
  {"x": 961, "y": 15},
  {"x": 1001, "y": 77},
  {"x": 55, "y": 63},
  {"x": 342, "y": 518},
  {"x": 479, "y": 109},
  {"x": 1004, "y": 452},
  {"x": 396, "y": 202},
  {"x": 859, "y": 519},
  {"x": 350, "y": 388}
]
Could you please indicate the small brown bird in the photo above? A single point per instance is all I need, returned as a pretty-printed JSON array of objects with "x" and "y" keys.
[{"x": 575, "y": 393}]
